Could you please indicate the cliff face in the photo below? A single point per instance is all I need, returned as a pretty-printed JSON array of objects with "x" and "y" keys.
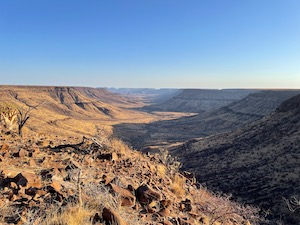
[
  {"x": 290, "y": 105},
  {"x": 258, "y": 163},
  {"x": 200, "y": 100}
]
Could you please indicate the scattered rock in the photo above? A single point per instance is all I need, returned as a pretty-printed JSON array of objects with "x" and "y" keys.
[
  {"x": 127, "y": 198},
  {"x": 4, "y": 147},
  {"x": 27, "y": 179},
  {"x": 108, "y": 156},
  {"x": 186, "y": 205},
  {"x": 112, "y": 217},
  {"x": 23, "y": 153},
  {"x": 145, "y": 194},
  {"x": 27, "y": 187}
]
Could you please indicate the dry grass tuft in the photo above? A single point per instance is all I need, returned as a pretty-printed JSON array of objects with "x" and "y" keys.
[
  {"x": 161, "y": 170},
  {"x": 118, "y": 146},
  {"x": 72, "y": 215},
  {"x": 220, "y": 209},
  {"x": 178, "y": 184}
]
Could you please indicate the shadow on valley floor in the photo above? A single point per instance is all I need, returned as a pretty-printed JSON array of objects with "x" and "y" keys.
[
  {"x": 162, "y": 133},
  {"x": 230, "y": 117}
]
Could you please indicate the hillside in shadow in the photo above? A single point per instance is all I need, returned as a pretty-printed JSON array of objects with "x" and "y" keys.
[
  {"x": 258, "y": 164},
  {"x": 237, "y": 114}
]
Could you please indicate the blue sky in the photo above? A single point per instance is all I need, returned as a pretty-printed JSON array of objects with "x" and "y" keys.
[{"x": 151, "y": 43}]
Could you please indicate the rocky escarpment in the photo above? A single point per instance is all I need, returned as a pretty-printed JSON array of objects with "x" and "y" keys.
[
  {"x": 258, "y": 164},
  {"x": 70, "y": 110},
  {"x": 148, "y": 95},
  {"x": 200, "y": 100},
  {"x": 49, "y": 180}
]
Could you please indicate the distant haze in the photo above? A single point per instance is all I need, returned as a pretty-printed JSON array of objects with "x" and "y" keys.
[{"x": 151, "y": 44}]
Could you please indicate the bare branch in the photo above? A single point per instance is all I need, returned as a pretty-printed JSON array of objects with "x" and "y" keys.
[{"x": 293, "y": 204}]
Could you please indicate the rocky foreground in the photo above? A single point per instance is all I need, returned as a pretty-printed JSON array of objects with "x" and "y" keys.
[{"x": 54, "y": 181}]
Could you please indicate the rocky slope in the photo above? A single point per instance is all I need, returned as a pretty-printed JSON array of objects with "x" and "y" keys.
[
  {"x": 50, "y": 180},
  {"x": 258, "y": 163},
  {"x": 199, "y": 100},
  {"x": 73, "y": 110},
  {"x": 230, "y": 117}
]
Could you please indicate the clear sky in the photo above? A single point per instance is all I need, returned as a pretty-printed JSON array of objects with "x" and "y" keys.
[{"x": 151, "y": 43}]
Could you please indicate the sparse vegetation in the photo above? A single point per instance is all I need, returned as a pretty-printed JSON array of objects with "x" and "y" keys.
[
  {"x": 77, "y": 190},
  {"x": 293, "y": 204},
  {"x": 169, "y": 161},
  {"x": 178, "y": 185},
  {"x": 8, "y": 117},
  {"x": 13, "y": 118},
  {"x": 75, "y": 180}
]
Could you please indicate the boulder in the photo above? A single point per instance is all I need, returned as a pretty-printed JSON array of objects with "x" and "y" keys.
[
  {"x": 145, "y": 194},
  {"x": 108, "y": 156},
  {"x": 4, "y": 147},
  {"x": 112, "y": 217},
  {"x": 165, "y": 208},
  {"x": 27, "y": 179},
  {"x": 23, "y": 153},
  {"x": 56, "y": 186},
  {"x": 127, "y": 198},
  {"x": 186, "y": 206}
]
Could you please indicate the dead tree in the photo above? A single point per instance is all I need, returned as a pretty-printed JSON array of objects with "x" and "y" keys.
[
  {"x": 15, "y": 116},
  {"x": 293, "y": 203},
  {"x": 22, "y": 119},
  {"x": 23, "y": 116}
]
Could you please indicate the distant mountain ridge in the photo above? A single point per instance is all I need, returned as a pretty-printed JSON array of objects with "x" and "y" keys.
[
  {"x": 150, "y": 95},
  {"x": 200, "y": 100}
]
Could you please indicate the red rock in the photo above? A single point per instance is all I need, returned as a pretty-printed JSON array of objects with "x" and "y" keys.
[
  {"x": 41, "y": 192},
  {"x": 5, "y": 147},
  {"x": 23, "y": 153},
  {"x": 165, "y": 212},
  {"x": 14, "y": 198},
  {"x": 32, "y": 163},
  {"x": 166, "y": 222},
  {"x": 127, "y": 198},
  {"x": 145, "y": 194},
  {"x": 108, "y": 156},
  {"x": 183, "y": 222},
  {"x": 27, "y": 179},
  {"x": 56, "y": 186},
  {"x": 153, "y": 207},
  {"x": 166, "y": 203},
  {"x": 13, "y": 185},
  {"x": 107, "y": 178},
  {"x": 111, "y": 216}
]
